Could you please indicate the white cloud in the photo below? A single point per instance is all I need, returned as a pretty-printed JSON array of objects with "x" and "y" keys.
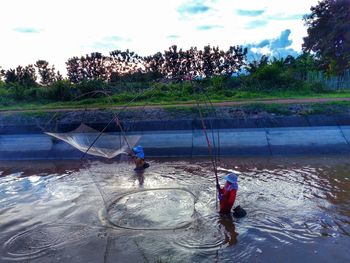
[{"x": 66, "y": 28}]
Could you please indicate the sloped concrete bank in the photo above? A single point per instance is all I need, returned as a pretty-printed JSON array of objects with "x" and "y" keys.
[
  {"x": 172, "y": 143},
  {"x": 256, "y": 135}
]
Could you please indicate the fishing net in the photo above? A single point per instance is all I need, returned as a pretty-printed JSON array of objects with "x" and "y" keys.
[{"x": 91, "y": 141}]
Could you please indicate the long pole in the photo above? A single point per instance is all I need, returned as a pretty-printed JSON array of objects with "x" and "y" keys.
[{"x": 208, "y": 144}]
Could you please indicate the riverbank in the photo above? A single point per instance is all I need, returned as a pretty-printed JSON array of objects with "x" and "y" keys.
[
  {"x": 175, "y": 132},
  {"x": 286, "y": 113}
]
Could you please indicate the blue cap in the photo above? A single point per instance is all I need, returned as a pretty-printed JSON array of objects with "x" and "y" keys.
[{"x": 138, "y": 150}]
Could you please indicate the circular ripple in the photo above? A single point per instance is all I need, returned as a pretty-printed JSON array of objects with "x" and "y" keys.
[
  {"x": 205, "y": 235},
  {"x": 42, "y": 239},
  {"x": 152, "y": 209}
]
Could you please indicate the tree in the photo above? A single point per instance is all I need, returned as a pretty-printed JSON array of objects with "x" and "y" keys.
[
  {"x": 125, "y": 62},
  {"x": 172, "y": 62},
  {"x": 329, "y": 34},
  {"x": 254, "y": 65},
  {"x": 154, "y": 64},
  {"x": 303, "y": 64},
  {"x": 10, "y": 76},
  {"x": 46, "y": 73},
  {"x": 25, "y": 76},
  {"x": 91, "y": 67},
  {"x": 74, "y": 70},
  {"x": 95, "y": 67},
  {"x": 2, "y": 73},
  {"x": 59, "y": 76},
  {"x": 203, "y": 63}
]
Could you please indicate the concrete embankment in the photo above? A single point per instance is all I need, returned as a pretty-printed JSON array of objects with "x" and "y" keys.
[{"x": 283, "y": 135}]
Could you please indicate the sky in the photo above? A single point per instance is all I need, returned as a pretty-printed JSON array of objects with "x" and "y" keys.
[{"x": 56, "y": 30}]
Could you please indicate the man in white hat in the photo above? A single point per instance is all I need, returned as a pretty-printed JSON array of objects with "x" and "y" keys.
[{"x": 227, "y": 194}]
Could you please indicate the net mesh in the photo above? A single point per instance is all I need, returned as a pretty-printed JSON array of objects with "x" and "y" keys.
[{"x": 107, "y": 145}]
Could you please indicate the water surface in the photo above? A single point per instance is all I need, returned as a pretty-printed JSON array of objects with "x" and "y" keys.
[{"x": 298, "y": 211}]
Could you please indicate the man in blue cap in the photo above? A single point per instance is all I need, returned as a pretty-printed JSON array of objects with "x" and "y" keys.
[{"x": 139, "y": 158}]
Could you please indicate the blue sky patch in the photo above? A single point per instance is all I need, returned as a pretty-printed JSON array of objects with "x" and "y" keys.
[
  {"x": 193, "y": 8},
  {"x": 173, "y": 36},
  {"x": 27, "y": 30},
  {"x": 208, "y": 27},
  {"x": 287, "y": 17},
  {"x": 256, "y": 24},
  {"x": 109, "y": 43},
  {"x": 242, "y": 12},
  {"x": 114, "y": 38}
]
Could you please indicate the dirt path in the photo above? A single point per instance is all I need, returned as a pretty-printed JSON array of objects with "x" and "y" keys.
[{"x": 225, "y": 104}]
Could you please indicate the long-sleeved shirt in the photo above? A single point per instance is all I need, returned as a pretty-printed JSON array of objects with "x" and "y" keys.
[{"x": 227, "y": 197}]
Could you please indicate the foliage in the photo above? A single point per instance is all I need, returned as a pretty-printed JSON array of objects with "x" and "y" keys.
[
  {"x": 173, "y": 63},
  {"x": 25, "y": 76},
  {"x": 272, "y": 74},
  {"x": 89, "y": 86},
  {"x": 46, "y": 73},
  {"x": 328, "y": 34},
  {"x": 89, "y": 67},
  {"x": 61, "y": 90},
  {"x": 16, "y": 90},
  {"x": 2, "y": 74},
  {"x": 125, "y": 62},
  {"x": 253, "y": 66}
]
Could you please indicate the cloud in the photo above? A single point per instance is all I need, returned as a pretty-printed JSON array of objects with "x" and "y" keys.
[
  {"x": 173, "y": 36},
  {"x": 256, "y": 23},
  {"x": 282, "y": 41},
  {"x": 193, "y": 8},
  {"x": 286, "y": 17},
  {"x": 249, "y": 12},
  {"x": 114, "y": 38},
  {"x": 208, "y": 27},
  {"x": 27, "y": 30},
  {"x": 277, "y": 47},
  {"x": 263, "y": 43}
]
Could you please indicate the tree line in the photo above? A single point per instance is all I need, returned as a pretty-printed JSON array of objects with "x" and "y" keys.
[{"x": 172, "y": 63}]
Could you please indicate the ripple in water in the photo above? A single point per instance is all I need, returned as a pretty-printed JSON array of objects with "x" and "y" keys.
[
  {"x": 153, "y": 209},
  {"x": 207, "y": 234},
  {"x": 43, "y": 239}
]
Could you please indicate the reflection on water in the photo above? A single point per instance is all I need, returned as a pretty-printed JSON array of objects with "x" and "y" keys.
[{"x": 298, "y": 211}]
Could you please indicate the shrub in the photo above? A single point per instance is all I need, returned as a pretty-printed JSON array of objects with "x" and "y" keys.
[
  {"x": 31, "y": 94},
  {"x": 90, "y": 86},
  {"x": 6, "y": 101},
  {"x": 217, "y": 82},
  {"x": 16, "y": 90},
  {"x": 60, "y": 90}
]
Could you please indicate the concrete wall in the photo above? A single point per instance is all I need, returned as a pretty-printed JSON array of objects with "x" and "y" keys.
[{"x": 172, "y": 143}]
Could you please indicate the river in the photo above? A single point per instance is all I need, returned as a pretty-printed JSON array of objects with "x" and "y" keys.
[{"x": 298, "y": 210}]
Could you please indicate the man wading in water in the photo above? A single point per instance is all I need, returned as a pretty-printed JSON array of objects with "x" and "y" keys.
[
  {"x": 227, "y": 196},
  {"x": 139, "y": 158}
]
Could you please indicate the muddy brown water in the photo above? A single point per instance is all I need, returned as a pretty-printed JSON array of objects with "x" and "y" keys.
[{"x": 298, "y": 211}]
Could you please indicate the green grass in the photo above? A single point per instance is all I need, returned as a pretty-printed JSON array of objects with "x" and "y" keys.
[{"x": 161, "y": 98}]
